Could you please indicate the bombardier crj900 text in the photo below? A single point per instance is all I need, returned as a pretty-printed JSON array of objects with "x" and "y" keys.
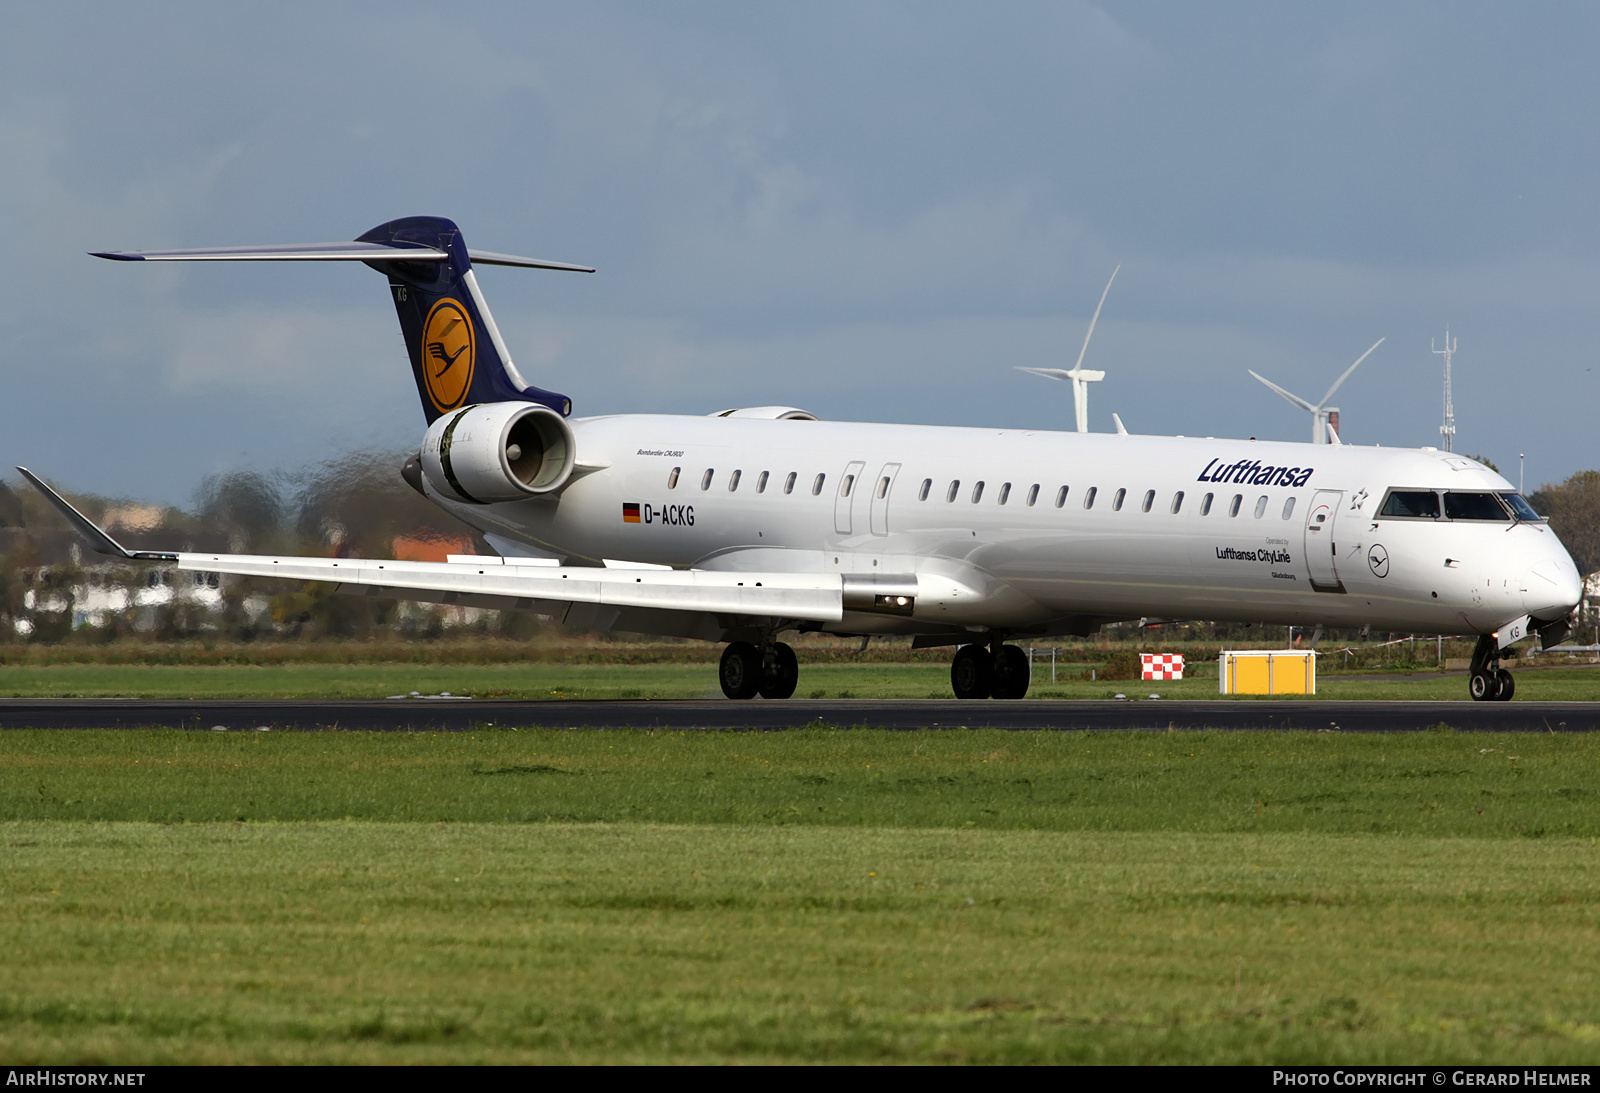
[{"x": 748, "y": 524}]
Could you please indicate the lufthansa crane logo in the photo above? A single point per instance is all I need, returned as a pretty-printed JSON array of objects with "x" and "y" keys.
[
  {"x": 448, "y": 354},
  {"x": 1378, "y": 560}
]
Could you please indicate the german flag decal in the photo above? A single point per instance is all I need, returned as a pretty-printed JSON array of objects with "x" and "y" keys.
[{"x": 630, "y": 512}]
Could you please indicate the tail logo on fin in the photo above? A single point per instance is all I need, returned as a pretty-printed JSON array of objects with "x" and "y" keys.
[{"x": 449, "y": 354}]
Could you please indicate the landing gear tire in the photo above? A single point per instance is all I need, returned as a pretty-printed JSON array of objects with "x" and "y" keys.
[
  {"x": 972, "y": 672},
  {"x": 1010, "y": 672},
  {"x": 1507, "y": 686},
  {"x": 780, "y": 672},
  {"x": 1488, "y": 679},
  {"x": 740, "y": 671}
]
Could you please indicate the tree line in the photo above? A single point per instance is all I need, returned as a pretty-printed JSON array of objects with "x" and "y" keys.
[
  {"x": 353, "y": 506},
  {"x": 1573, "y": 508}
]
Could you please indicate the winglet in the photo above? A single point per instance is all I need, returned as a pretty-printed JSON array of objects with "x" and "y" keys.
[{"x": 98, "y": 540}]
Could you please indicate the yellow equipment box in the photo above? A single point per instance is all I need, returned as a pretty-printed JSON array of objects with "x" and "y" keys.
[{"x": 1268, "y": 672}]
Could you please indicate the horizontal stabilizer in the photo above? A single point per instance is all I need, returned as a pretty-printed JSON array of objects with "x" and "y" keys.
[
  {"x": 492, "y": 258},
  {"x": 333, "y": 252},
  {"x": 98, "y": 540},
  {"x": 457, "y": 354},
  {"x": 294, "y": 252}
]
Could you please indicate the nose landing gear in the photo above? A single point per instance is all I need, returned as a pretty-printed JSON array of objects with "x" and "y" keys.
[
  {"x": 769, "y": 670},
  {"x": 978, "y": 673},
  {"x": 1489, "y": 682}
]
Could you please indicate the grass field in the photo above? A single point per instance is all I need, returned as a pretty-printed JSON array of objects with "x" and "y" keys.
[
  {"x": 818, "y": 895},
  {"x": 869, "y": 679}
]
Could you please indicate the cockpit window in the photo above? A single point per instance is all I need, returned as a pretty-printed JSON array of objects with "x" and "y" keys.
[
  {"x": 1411, "y": 503},
  {"x": 1474, "y": 506},
  {"x": 1519, "y": 505}
]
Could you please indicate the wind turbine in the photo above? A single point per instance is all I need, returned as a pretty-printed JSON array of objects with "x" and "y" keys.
[
  {"x": 1324, "y": 418},
  {"x": 1080, "y": 376}
]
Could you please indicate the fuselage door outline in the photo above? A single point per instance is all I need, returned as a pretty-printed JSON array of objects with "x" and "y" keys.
[
  {"x": 850, "y": 487},
  {"x": 882, "y": 490},
  {"x": 1321, "y": 563}
]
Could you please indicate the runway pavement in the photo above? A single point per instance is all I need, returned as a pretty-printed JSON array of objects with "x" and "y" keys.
[{"x": 454, "y": 715}]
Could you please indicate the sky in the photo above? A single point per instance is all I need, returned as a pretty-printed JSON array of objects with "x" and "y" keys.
[{"x": 874, "y": 211}]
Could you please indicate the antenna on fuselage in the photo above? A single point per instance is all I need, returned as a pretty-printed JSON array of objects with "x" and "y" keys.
[
  {"x": 1323, "y": 416},
  {"x": 1080, "y": 376},
  {"x": 1448, "y": 429}
]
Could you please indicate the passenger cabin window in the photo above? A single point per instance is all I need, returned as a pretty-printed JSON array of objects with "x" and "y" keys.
[
  {"x": 977, "y": 492},
  {"x": 847, "y": 485},
  {"x": 1033, "y": 495},
  {"x": 672, "y": 479},
  {"x": 1205, "y": 504},
  {"x": 705, "y": 479},
  {"x": 883, "y": 487},
  {"x": 1233, "y": 509},
  {"x": 1061, "y": 497},
  {"x": 733, "y": 481},
  {"x": 955, "y": 487},
  {"x": 1177, "y": 502},
  {"x": 1005, "y": 492},
  {"x": 816, "y": 487},
  {"x": 1474, "y": 506},
  {"x": 1261, "y": 506},
  {"x": 1149, "y": 499},
  {"x": 1411, "y": 503},
  {"x": 922, "y": 494},
  {"x": 761, "y": 483},
  {"x": 788, "y": 483},
  {"x": 1288, "y": 508},
  {"x": 1088, "y": 495},
  {"x": 1116, "y": 501}
]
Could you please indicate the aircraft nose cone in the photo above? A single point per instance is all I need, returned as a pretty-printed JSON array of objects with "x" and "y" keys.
[{"x": 1554, "y": 588}]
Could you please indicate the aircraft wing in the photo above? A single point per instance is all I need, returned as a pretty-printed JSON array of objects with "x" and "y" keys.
[
  {"x": 490, "y": 582},
  {"x": 498, "y": 582}
]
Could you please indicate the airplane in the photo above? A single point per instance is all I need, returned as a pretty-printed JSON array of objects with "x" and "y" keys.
[{"x": 749, "y": 524}]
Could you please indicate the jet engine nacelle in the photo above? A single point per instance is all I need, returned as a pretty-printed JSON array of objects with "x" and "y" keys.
[{"x": 499, "y": 451}]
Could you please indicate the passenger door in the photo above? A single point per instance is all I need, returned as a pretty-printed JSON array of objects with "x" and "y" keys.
[
  {"x": 849, "y": 486},
  {"x": 1321, "y": 550},
  {"x": 882, "y": 487}
]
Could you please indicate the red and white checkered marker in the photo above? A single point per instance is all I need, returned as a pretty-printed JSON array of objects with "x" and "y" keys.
[{"x": 1162, "y": 665}]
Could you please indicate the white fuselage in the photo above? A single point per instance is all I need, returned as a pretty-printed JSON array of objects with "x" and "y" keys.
[{"x": 1291, "y": 533}]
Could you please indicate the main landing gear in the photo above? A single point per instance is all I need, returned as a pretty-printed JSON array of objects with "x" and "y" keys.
[
  {"x": 768, "y": 669},
  {"x": 1489, "y": 682},
  {"x": 977, "y": 672}
]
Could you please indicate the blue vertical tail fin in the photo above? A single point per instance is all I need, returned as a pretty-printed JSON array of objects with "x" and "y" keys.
[{"x": 457, "y": 354}]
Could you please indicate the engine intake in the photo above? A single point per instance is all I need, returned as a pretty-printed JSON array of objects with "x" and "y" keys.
[{"x": 499, "y": 451}]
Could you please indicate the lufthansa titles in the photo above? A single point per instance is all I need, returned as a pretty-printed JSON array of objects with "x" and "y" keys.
[{"x": 1247, "y": 472}]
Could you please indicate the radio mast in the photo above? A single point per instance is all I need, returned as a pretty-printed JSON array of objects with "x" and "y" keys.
[{"x": 1448, "y": 429}]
